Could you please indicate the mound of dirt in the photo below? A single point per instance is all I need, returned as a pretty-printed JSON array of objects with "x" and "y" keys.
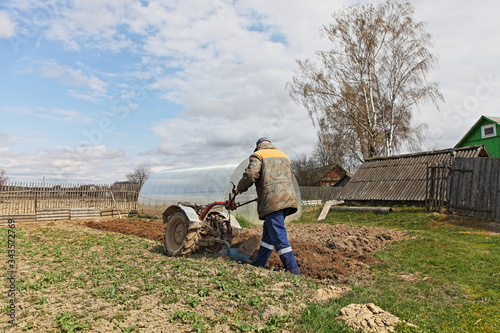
[
  {"x": 368, "y": 318},
  {"x": 323, "y": 251}
]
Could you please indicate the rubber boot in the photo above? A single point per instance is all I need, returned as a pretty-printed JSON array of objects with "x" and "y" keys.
[
  {"x": 290, "y": 263},
  {"x": 262, "y": 257}
]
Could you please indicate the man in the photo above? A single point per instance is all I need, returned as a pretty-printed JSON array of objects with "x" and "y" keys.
[{"x": 270, "y": 170}]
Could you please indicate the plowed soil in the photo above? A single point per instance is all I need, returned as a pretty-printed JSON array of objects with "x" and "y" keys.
[{"x": 323, "y": 251}]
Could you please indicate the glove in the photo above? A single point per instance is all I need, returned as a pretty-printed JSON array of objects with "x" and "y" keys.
[{"x": 231, "y": 205}]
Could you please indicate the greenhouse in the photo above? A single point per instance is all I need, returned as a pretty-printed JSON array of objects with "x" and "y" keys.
[{"x": 202, "y": 186}]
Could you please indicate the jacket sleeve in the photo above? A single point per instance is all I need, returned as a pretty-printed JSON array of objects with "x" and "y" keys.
[{"x": 251, "y": 174}]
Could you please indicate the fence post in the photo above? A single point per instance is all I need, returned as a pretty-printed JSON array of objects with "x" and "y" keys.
[
  {"x": 116, "y": 205},
  {"x": 427, "y": 208}
]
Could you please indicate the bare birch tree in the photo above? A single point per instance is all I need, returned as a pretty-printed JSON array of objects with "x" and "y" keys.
[
  {"x": 363, "y": 94},
  {"x": 3, "y": 177}
]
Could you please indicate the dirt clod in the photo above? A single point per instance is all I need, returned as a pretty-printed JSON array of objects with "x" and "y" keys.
[
  {"x": 249, "y": 246},
  {"x": 330, "y": 292},
  {"x": 271, "y": 311},
  {"x": 368, "y": 318}
]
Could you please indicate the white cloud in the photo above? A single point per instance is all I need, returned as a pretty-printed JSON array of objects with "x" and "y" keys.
[
  {"x": 5, "y": 140},
  {"x": 82, "y": 24},
  {"x": 71, "y": 116},
  {"x": 57, "y": 114},
  {"x": 226, "y": 64},
  {"x": 7, "y": 27},
  {"x": 210, "y": 140},
  {"x": 90, "y": 164},
  {"x": 464, "y": 35},
  {"x": 73, "y": 77}
]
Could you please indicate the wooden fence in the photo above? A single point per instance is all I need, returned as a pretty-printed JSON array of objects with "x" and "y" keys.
[
  {"x": 436, "y": 185},
  {"x": 30, "y": 198},
  {"x": 323, "y": 193},
  {"x": 474, "y": 188}
]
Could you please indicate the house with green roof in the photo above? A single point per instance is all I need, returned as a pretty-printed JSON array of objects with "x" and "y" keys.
[{"x": 486, "y": 132}]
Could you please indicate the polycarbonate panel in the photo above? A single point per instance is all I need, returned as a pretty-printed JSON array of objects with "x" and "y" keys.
[
  {"x": 201, "y": 186},
  {"x": 197, "y": 185}
]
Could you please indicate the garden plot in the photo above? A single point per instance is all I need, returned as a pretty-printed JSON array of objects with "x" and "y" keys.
[{"x": 323, "y": 251}]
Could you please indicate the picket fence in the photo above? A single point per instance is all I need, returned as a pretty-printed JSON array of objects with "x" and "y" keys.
[{"x": 51, "y": 201}]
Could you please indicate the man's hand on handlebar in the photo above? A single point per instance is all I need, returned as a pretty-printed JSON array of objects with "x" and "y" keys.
[{"x": 235, "y": 190}]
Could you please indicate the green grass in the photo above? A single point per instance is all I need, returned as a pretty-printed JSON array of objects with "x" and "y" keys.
[
  {"x": 244, "y": 223},
  {"x": 72, "y": 280},
  {"x": 68, "y": 322},
  {"x": 442, "y": 278},
  {"x": 456, "y": 284}
]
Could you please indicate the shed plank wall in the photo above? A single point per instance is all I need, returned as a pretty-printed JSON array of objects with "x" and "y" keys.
[
  {"x": 400, "y": 178},
  {"x": 474, "y": 188}
]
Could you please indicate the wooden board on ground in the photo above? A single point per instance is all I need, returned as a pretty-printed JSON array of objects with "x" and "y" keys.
[{"x": 325, "y": 210}]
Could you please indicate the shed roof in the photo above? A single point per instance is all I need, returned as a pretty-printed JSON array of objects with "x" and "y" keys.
[
  {"x": 400, "y": 177},
  {"x": 315, "y": 176}
]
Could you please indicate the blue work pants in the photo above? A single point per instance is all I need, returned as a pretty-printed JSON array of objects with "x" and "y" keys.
[{"x": 274, "y": 236}]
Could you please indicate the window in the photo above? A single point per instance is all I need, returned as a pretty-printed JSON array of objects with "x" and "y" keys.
[{"x": 488, "y": 131}]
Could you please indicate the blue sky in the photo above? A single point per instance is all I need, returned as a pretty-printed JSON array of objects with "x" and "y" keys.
[{"x": 91, "y": 88}]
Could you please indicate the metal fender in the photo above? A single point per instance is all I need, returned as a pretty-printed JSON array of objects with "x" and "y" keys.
[
  {"x": 235, "y": 225},
  {"x": 194, "y": 220}
]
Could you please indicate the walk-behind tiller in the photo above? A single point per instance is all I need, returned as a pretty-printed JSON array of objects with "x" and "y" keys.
[{"x": 190, "y": 226}]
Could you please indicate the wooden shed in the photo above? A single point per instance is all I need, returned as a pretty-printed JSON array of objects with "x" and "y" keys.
[
  {"x": 486, "y": 132},
  {"x": 326, "y": 176},
  {"x": 401, "y": 179}
]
